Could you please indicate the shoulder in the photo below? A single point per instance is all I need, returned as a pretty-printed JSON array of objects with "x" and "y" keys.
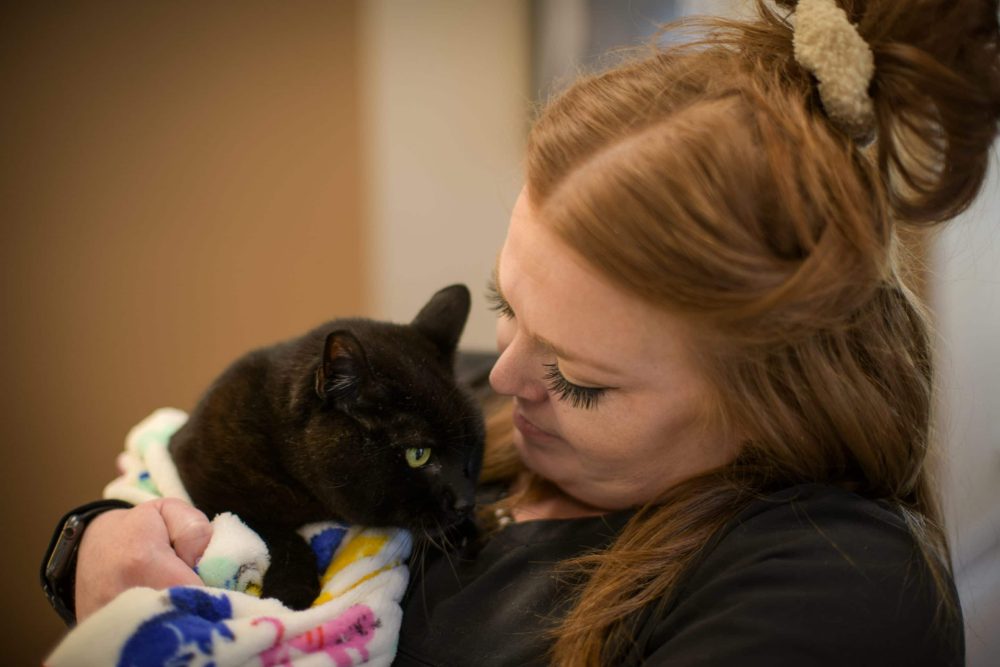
[
  {"x": 812, "y": 574},
  {"x": 816, "y": 524}
]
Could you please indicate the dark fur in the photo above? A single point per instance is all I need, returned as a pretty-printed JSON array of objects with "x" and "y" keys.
[{"x": 316, "y": 428}]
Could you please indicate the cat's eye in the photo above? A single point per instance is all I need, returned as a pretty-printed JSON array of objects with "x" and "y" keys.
[
  {"x": 497, "y": 302},
  {"x": 417, "y": 457},
  {"x": 578, "y": 396}
]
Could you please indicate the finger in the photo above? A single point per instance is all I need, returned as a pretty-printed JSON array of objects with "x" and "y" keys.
[
  {"x": 173, "y": 573},
  {"x": 187, "y": 527}
]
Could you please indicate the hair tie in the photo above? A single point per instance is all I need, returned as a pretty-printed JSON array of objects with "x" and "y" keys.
[{"x": 828, "y": 45}]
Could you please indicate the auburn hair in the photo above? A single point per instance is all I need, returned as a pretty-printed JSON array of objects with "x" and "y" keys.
[{"x": 705, "y": 178}]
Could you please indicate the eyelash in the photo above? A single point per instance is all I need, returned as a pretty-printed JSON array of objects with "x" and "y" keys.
[
  {"x": 578, "y": 397},
  {"x": 497, "y": 303}
]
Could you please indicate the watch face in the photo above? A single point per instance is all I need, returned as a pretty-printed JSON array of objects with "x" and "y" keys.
[
  {"x": 65, "y": 548},
  {"x": 57, "y": 577}
]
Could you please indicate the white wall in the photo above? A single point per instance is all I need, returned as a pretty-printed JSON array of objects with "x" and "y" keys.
[
  {"x": 966, "y": 298},
  {"x": 446, "y": 106}
]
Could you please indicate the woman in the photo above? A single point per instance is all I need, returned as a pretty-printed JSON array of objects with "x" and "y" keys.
[{"x": 720, "y": 384}]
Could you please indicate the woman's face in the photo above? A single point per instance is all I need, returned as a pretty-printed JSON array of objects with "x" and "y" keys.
[{"x": 608, "y": 402}]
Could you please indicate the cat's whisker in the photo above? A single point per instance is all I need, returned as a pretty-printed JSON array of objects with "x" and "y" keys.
[
  {"x": 423, "y": 573},
  {"x": 446, "y": 552},
  {"x": 446, "y": 539},
  {"x": 432, "y": 542}
]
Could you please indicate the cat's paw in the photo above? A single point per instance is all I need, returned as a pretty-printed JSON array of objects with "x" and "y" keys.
[{"x": 296, "y": 588}]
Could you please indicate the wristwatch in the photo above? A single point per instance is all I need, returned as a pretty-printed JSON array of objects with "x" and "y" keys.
[{"x": 58, "y": 570}]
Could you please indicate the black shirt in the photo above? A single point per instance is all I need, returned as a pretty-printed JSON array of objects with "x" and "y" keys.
[{"x": 811, "y": 575}]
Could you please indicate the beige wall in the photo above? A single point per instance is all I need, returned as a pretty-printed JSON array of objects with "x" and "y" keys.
[
  {"x": 180, "y": 183},
  {"x": 446, "y": 91}
]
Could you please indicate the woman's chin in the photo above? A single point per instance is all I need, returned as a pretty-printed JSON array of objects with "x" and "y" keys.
[
  {"x": 540, "y": 460},
  {"x": 591, "y": 498},
  {"x": 531, "y": 457}
]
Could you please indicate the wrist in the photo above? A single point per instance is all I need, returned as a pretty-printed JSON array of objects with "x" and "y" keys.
[{"x": 58, "y": 567}]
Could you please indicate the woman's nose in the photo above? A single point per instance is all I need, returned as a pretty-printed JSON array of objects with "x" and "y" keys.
[{"x": 517, "y": 372}]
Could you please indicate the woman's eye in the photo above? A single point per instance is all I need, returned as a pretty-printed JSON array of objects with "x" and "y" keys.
[
  {"x": 497, "y": 303},
  {"x": 417, "y": 457},
  {"x": 578, "y": 397}
]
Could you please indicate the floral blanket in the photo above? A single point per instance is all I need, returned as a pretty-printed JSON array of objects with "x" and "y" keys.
[{"x": 355, "y": 620}]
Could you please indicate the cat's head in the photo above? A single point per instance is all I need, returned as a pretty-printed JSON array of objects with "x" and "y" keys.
[{"x": 390, "y": 439}]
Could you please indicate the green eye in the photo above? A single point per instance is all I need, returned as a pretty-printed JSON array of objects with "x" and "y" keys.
[{"x": 418, "y": 456}]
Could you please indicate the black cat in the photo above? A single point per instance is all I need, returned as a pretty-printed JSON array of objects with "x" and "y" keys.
[{"x": 357, "y": 420}]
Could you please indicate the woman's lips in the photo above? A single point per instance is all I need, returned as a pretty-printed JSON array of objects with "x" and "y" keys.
[{"x": 528, "y": 428}]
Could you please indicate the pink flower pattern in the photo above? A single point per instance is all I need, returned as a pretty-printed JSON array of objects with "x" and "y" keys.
[{"x": 353, "y": 629}]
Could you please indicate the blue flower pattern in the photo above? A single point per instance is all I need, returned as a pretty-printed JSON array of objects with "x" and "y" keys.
[{"x": 176, "y": 637}]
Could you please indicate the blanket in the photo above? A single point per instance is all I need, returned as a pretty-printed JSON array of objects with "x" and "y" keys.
[{"x": 355, "y": 620}]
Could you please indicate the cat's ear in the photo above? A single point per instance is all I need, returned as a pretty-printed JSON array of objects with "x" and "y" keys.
[
  {"x": 443, "y": 318},
  {"x": 344, "y": 366}
]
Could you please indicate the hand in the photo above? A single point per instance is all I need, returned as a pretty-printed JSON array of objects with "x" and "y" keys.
[{"x": 155, "y": 544}]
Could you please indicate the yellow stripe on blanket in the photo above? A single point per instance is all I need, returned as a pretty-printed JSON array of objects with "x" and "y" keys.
[
  {"x": 326, "y": 597},
  {"x": 361, "y": 546}
]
